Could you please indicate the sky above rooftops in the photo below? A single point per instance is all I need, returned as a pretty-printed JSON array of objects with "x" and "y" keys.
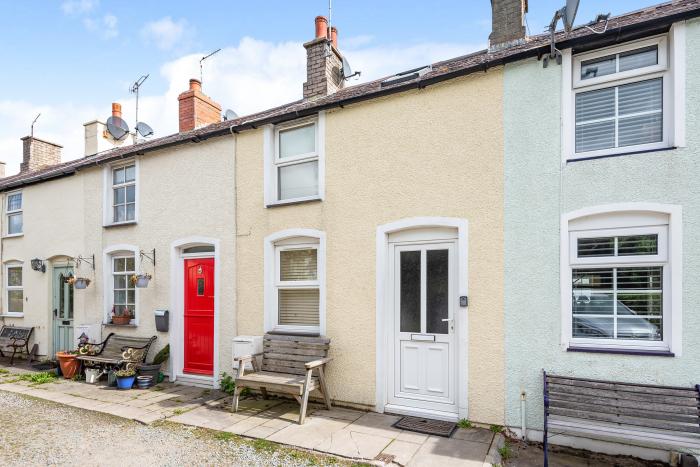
[{"x": 70, "y": 59}]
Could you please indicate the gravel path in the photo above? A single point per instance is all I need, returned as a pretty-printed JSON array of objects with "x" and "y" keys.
[{"x": 35, "y": 432}]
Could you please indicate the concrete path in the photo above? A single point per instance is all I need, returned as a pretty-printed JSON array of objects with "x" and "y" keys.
[{"x": 343, "y": 432}]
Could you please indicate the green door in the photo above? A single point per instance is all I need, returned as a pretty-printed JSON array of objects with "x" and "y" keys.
[{"x": 62, "y": 312}]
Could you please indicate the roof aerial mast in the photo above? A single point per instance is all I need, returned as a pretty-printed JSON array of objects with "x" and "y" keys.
[
  {"x": 567, "y": 14},
  {"x": 201, "y": 75}
]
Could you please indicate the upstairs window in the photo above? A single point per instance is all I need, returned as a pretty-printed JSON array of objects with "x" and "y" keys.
[
  {"x": 294, "y": 161},
  {"x": 620, "y": 98},
  {"x": 124, "y": 194},
  {"x": 14, "y": 213}
]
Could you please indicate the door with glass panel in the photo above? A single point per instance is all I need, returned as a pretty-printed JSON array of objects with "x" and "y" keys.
[
  {"x": 424, "y": 370},
  {"x": 62, "y": 314}
]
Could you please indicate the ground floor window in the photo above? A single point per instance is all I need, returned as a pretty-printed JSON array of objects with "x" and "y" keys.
[{"x": 15, "y": 289}]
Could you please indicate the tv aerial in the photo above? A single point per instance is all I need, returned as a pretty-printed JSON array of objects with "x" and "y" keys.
[
  {"x": 230, "y": 115},
  {"x": 567, "y": 14},
  {"x": 201, "y": 75},
  {"x": 141, "y": 128}
]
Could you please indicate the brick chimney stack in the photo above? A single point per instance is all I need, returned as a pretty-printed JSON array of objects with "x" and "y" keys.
[
  {"x": 196, "y": 108},
  {"x": 38, "y": 153},
  {"x": 507, "y": 24},
  {"x": 323, "y": 62}
]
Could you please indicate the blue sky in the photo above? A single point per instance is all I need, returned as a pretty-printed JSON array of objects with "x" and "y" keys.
[{"x": 70, "y": 59}]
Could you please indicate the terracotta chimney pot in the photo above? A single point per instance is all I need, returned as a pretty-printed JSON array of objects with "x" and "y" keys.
[
  {"x": 116, "y": 109},
  {"x": 334, "y": 36},
  {"x": 195, "y": 85},
  {"x": 321, "y": 27}
]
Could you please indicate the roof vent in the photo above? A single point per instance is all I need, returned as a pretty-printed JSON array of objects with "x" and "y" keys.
[{"x": 409, "y": 75}]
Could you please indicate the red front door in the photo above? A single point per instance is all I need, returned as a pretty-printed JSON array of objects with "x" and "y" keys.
[{"x": 199, "y": 316}]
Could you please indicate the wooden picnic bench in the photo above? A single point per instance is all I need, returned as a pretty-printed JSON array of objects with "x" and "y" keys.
[
  {"x": 288, "y": 365},
  {"x": 16, "y": 339},
  {"x": 646, "y": 415},
  {"x": 118, "y": 351}
]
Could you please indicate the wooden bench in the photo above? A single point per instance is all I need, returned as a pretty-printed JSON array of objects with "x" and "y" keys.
[
  {"x": 645, "y": 415},
  {"x": 16, "y": 339},
  {"x": 118, "y": 351},
  {"x": 288, "y": 364}
]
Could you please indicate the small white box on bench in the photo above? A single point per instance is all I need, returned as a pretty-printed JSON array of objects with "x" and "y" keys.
[{"x": 246, "y": 345}]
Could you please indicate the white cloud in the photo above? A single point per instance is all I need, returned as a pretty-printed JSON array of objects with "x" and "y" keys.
[
  {"x": 251, "y": 76},
  {"x": 106, "y": 27},
  {"x": 76, "y": 7},
  {"x": 166, "y": 33}
]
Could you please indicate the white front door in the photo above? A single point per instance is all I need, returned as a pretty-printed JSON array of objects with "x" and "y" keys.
[{"x": 424, "y": 299}]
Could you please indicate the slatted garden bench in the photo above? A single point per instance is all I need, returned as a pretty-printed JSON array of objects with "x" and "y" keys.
[
  {"x": 118, "y": 351},
  {"x": 288, "y": 364},
  {"x": 16, "y": 339},
  {"x": 645, "y": 415}
]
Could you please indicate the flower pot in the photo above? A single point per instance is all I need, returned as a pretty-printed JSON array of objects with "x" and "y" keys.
[
  {"x": 144, "y": 382},
  {"x": 69, "y": 364},
  {"x": 142, "y": 281},
  {"x": 121, "y": 320},
  {"x": 125, "y": 382},
  {"x": 149, "y": 370},
  {"x": 81, "y": 283}
]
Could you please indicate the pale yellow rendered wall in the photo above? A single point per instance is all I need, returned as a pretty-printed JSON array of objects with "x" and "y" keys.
[
  {"x": 433, "y": 152},
  {"x": 53, "y": 229},
  {"x": 183, "y": 191}
]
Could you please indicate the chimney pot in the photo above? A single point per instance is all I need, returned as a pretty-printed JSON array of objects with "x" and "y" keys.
[
  {"x": 334, "y": 36},
  {"x": 195, "y": 85},
  {"x": 116, "y": 109},
  {"x": 321, "y": 27}
]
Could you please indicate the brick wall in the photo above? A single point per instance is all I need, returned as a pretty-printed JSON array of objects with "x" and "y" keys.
[
  {"x": 37, "y": 153},
  {"x": 197, "y": 109},
  {"x": 323, "y": 73},
  {"x": 507, "y": 26}
]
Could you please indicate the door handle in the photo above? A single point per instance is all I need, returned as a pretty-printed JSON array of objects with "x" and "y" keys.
[
  {"x": 55, "y": 312},
  {"x": 450, "y": 322}
]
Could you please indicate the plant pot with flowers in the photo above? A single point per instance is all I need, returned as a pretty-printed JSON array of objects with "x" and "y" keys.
[
  {"x": 121, "y": 315},
  {"x": 141, "y": 280},
  {"x": 125, "y": 378},
  {"x": 78, "y": 282},
  {"x": 68, "y": 362}
]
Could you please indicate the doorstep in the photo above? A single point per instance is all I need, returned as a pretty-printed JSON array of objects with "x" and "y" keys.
[{"x": 347, "y": 433}]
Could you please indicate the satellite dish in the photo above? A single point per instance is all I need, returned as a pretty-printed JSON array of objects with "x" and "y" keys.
[
  {"x": 570, "y": 14},
  {"x": 230, "y": 115},
  {"x": 117, "y": 127},
  {"x": 144, "y": 129},
  {"x": 347, "y": 70}
]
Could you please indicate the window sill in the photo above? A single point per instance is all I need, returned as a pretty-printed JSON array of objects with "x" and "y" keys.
[
  {"x": 639, "y": 352},
  {"x": 120, "y": 325},
  {"x": 119, "y": 224},
  {"x": 618, "y": 154},
  {"x": 289, "y": 202},
  {"x": 294, "y": 333},
  {"x": 13, "y": 235},
  {"x": 12, "y": 315}
]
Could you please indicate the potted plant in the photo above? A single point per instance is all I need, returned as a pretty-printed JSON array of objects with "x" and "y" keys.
[
  {"x": 141, "y": 280},
  {"x": 68, "y": 362},
  {"x": 125, "y": 378},
  {"x": 121, "y": 315},
  {"x": 78, "y": 282}
]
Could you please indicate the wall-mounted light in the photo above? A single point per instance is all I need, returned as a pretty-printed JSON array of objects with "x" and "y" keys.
[{"x": 38, "y": 265}]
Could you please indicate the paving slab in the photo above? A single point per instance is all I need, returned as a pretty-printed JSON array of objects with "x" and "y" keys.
[
  {"x": 448, "y": 452},
  {"x": 412, "y": 437},
  {"x": 403, "y": 451},
  {"x": 377, "y": 424},
  {"x": 339, "y": 413},
  {"x": 480, "y": 435},
  {"x": 348, "y": 443},
  {"x": 312, "y": 433}
]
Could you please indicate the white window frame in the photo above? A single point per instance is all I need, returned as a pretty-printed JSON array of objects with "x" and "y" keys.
[
  {"x": 118, "y": 251},
  {"x": 288, "y": 240},
  {"x": 620, "y": 220},
  {"x": 273, "y": 162},
  {"x": 13, "y": 212},
  {"x": 670, "y": 65},
  {"x": 108, "y": 196},
  {"x": 7, "y": 288}
]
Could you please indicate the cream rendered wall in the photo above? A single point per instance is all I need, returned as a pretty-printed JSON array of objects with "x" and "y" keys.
[
  {"x": 53, "y": 230},
  {"x": 183, "y": 191},
  {"x": 432, "y": 152}
]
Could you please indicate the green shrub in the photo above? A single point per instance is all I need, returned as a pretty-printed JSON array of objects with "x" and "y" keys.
[
  {"x": 464, "y": 423},
  {"x": 496, "y": 428},
  {"x": 227, "y": 383},
  {"x": 162, "y": 355},
  {"x": 505, "y": 451},
  {"x": 39, "y": 378}
]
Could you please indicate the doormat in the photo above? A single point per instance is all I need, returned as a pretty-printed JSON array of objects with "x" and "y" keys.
[{"x": 426, "y": 426}]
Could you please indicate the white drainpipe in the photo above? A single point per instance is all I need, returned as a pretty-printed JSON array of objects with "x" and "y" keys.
[{"x": 523, "y": 424}]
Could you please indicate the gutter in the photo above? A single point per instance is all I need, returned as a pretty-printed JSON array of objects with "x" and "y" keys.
[{"x": 611, "y": 36}]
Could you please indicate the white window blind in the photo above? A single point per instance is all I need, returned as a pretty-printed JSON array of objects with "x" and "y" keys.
[
  {"x": 619, "y": 99},
  {"x": 298, "y": 307},
  {"x": 298, "y": 291}
]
